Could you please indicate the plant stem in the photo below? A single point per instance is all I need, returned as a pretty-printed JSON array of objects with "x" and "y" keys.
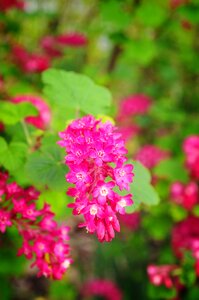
[{"x": 26, "y": 132}]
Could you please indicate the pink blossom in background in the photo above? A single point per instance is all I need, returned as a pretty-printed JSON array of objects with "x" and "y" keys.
[
  {"x": 131, "y": 221},
  {"x": 36, "y": 63},
  {"x": 41, "y": 121},
  {"x": 1, "y": 82},
  {"x": 2, "y": 127},
  {"x": 186, "y": 25},
  {"x": 102, "y": 287},
  {"x": 134, "y": 105},
  {"x": 74, "y": 39},
  {"x": 10, "y": 4},
  {"x": 191, "y": 150},
  {"x": 96, "y": 157},
  {"x": 185, "y": 237},
  {"x": 185, "y": 195},
  {"x": 44, "y": 241},
  {"x": 177, "y": 3},
  {"x": 151, "y": 155},
  {"x": 129, "y": 131},
  {"x": 49, "y": 45},
  {"x": 30, "y": 62},
  {"x": 161, "y": 275}
]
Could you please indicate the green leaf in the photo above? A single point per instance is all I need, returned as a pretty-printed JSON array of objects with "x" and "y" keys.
[
  {"x": 140, "y": 51},
  {"x": 12, "y": 156},
  {"x": 11, "y": 113},
  {"x": 188, "y": 276},
  {"x": 172, "y": 170},
  {"x": 45, "y": 167},
  {"x": 178, "y": 213},
  {"x": 3, "y": 145},
  {"x": 160, "y": 292},
  {"x": 141, "y": 188},
  {"x": 151, "y": 14},
  {"x": 58, "y": 201},
  {"x": 113, "y": 15},
  {"x": 190, "y": 13},
  {"x": 70, "y": 90}
]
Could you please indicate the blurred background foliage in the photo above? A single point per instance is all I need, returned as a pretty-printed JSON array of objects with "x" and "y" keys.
[{"x": 134, "y": 47}]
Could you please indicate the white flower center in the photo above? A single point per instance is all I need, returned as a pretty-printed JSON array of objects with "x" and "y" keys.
[
  {"x": 93, "y": 210},
  {"x": 100, "y": 153},
  {"x": 66, "y": 264},
  {"x": 80, "y": 176},
  {"x": 156, "y": 279},
  {"x": 122, "y": 172},
  {"x": 103, "y": 191},
  {"x": 122, "y": 202}
]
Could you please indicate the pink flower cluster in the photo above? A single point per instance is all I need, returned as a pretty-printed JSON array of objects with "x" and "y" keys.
[
  {"x": 2, "y": 82},
  {"x": 30, "y": 62},
  {"x": 130, "y": 107},
  {"x": 95, "y": 156},
  {"x": 73, "y": 39},
  {"x": 10, "y": 4},
  {"x": 161, "y": 275},
  {"x": 50, "y": 47},
  {"x": 53, "y": 45},
  {"x": 43, "y": 240},
  {"x": 133, "y": 105},
  {"x": 191, "y": 149},
  {"x": 185, "y": 195},
  {"x": 104, "y": 288},
  {"x": 177, "y": 3},
  {"x": 150, "y": 156},
  {"x": 185, "y": 236},
  {"x": 43, "y": 119},
  {"x": 131, "y": 221},
  {"x": 128, "y": 131}
]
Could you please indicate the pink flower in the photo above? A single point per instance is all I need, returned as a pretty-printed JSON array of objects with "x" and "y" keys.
[
  {"x": 95, "y": 156},
  {"x": 43, "y": 239},
  {"x": 36, "y": 63},
  {"x": 128, "y": 131},
  {"x": 177, "y": 3},
  {"x": 186, "y": 25},
  {"x": 150, "y": 156},
  {"x": 30, "y": 62},
  {"x": 49, "y": 44},
  {"x": 44, "y": 118},
  {"x": 72, "y": 39},
  {"x": 185, "y": 237},
  {"x": 5, "y": 220},
  {"x": 123, "y": 202},
  {"x": 10, "y": 4},
  {"x": 2, "y": 82},
  {"x": 40, "y": 247},
  {"x": 102, "y": 287},
  {"x": 131, "y": 221},
  {"x": 2, "y": 127},
  {"x": 134, "y": 105},
  {"x": 191, "y": 149},
  {"x": 103, "y": 191},
  {"x": 161, "y": 275},
  {"x": 185, "y": 195},
  {"x": 123, "y": 176}
]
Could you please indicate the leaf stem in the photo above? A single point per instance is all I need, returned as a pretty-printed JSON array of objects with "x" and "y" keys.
[{"x": 26, "y": 132}]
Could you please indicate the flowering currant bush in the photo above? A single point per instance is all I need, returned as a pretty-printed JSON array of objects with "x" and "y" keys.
[
  {"x": 95, "y": 156},
  {"x": 43, "y": 240}
]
